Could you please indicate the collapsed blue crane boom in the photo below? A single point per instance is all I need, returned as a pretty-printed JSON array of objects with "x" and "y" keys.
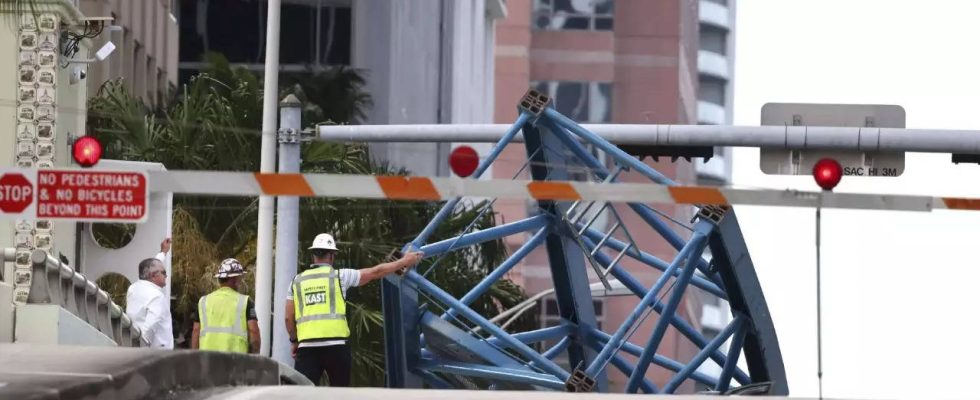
[{"x": 462, "y": 349}]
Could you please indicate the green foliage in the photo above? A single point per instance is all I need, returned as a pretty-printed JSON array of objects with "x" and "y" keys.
[
  {"x": 116, "y": 285},
  {"x": 333, "y": 95},
  {"x": 214, "y": 123}
]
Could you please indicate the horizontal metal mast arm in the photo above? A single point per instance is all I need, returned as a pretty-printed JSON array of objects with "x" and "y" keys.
[{"x": 787, "y": 137}]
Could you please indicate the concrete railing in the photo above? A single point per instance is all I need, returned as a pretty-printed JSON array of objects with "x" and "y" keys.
[{"x": 56, "y": 283}]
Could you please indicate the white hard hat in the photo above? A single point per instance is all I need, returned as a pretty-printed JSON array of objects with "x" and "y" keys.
[
  {"x": 230, "y": 268},
  {"x": 324, "y": 241}
]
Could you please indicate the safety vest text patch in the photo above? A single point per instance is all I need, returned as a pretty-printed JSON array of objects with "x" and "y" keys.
[{"x": 315, "y": 298}]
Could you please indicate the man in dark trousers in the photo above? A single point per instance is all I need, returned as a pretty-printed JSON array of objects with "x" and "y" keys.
[
  {"x": 316, "y": 311},
  {"x": 225, "y": 319}
]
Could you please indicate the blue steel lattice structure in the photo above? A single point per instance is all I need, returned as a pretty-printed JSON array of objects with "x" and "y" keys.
[{"x": 462, "y": 349}]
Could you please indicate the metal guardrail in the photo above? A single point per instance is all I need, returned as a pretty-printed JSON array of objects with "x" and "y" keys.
[{"x": 57, "y": 283}]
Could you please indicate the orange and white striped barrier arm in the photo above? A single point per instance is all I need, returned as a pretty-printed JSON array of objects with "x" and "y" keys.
[{"x": 434, "y": 189}]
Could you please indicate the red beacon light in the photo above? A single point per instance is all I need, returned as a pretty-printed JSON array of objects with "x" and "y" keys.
[
  {"x": 827, "y": 172},
  {"x": 463, "y": 160},
  {"x": 87, "y": 151}
]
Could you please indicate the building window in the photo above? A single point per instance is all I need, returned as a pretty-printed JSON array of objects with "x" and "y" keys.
[
  {"x": 551, "y": 317},
  {"x": 314, "y": 33},
  {"x": 583, "y": 102},
  {"x": 589, "y": 15},
  {"x": 712, "y": 90},
  {"x": 319, "y": 34},
  {"x": 714, "y": 39}
]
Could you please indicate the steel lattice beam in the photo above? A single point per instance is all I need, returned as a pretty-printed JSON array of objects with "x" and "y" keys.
[{"x": 447, "y": 350}]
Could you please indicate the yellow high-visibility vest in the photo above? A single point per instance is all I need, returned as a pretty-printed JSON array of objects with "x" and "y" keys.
[
  {"x": 321, "y": 312},
  {"x": 223, "y": 323}
]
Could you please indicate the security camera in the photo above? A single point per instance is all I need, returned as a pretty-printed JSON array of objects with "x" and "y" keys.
[
  {"x": 77, "y": 74},
  {"x": 100, "y": 55}
]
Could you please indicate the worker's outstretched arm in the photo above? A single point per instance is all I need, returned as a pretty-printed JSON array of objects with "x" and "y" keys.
[
  {"x": 253, "y": 337},
  {"x": 291, "y": 324},
  {"x": 196, "y": 336},
  {"x": 382, "y": 270}
]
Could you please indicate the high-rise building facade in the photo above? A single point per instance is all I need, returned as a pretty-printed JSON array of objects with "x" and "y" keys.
[
  {"x": 716, "y": 70},
  {"x": 146, "y": 46},
  {"x": 604, "y": 61}
]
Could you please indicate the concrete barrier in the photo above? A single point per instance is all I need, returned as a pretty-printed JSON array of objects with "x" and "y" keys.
[
  {"x": 75, "y": 372},
  {"x": 51, "y": 324},
  {"x": 58, "y": 284}
]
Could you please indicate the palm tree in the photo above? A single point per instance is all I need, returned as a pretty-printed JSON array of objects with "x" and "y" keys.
[{"x": 213, "y": 124}]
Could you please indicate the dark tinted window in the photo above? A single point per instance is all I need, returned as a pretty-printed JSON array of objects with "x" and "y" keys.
[
  {"x": 236, "y": 29},
  {"x": 596, "y": 15}
]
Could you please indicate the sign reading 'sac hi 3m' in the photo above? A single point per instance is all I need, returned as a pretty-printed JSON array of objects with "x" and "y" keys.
[{"x": 80, "y": 195}]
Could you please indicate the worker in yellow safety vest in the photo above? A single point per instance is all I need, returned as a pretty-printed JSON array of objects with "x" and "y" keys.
[
  {"x": 225, "y": 319},
  {"x": 316, "y": 311}
]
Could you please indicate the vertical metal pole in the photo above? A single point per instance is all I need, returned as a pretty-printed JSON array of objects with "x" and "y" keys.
[
  {"x": 287, "y": 226},
  {"x": 263, "y": 260},
  {"x": 319, "y": 33},
  {"x": 819, "y": 311}
]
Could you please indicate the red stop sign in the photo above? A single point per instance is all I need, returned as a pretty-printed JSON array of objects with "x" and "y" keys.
[{"x": 16, "y": 193}]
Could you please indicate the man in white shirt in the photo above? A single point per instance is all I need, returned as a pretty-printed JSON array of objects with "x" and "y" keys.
[{"x": 148, "y": 305}]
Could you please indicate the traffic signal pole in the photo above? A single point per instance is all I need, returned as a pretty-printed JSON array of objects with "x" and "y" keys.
[
  {"x": 787, "y": 137},
  {"x": 287, "y": 226}
]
